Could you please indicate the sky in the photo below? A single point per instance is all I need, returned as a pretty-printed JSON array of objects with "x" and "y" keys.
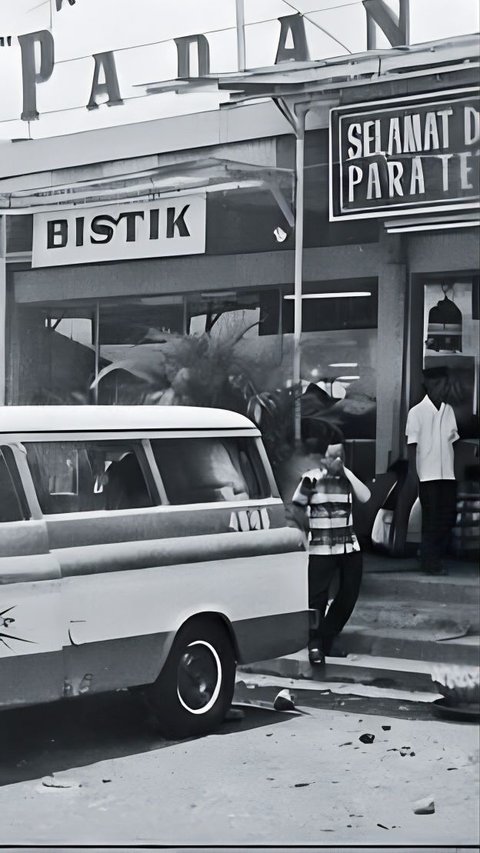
[{"x": 141, "y": 33}]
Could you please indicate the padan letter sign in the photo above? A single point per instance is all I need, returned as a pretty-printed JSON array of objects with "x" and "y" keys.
[
  {"x": 38, "y": 53},
  {"x": 409, "y": 155}
]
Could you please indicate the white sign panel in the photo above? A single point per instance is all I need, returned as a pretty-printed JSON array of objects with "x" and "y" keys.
[{"x": 157, "y": 229}]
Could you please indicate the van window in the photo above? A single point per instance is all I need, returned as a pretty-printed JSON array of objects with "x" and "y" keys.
[
  {"x": 200, "y": 470},
  {"x": 80, "y": 476},
  {"x": 11, "y": 493}
]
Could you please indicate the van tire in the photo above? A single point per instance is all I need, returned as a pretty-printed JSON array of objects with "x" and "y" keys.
[{"x": 194, "y": 690}]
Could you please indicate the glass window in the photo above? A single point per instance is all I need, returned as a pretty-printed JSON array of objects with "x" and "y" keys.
[
  {"x": 74, "y": 476},
  {"x": 11, "y": 493},
  {"x": 201, "y": 470},
  {"x": 339, "y": 357}
]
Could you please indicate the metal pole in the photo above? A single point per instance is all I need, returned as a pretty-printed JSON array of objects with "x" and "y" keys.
[
  {"x": 241, "y": 52},
  {"x": 298, "y": 281},
  {"x": 97, "y": 348},
  {"x": 3, "y": 308}
]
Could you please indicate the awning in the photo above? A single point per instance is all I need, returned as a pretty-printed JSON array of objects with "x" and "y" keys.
[{"x": 209, "y": 174}]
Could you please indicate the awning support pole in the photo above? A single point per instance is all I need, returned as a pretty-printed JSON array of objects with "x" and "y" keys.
[
  {"x": 3, "y": 307},
  {"x": 298, "y": 279},
  {"x": 241, "y": 51}
]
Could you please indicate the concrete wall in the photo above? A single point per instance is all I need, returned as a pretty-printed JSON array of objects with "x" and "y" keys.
[{"x": 155, "y": 277}]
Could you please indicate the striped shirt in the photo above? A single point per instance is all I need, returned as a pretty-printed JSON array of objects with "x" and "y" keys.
[{"x": 329, "y": 507}]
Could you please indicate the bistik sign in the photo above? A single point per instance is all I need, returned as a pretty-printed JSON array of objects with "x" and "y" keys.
[
  {"x": 408, "y": 155},
  {"x": 172, "y": 226}
]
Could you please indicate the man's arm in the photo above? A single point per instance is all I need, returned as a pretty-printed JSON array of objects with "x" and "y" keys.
[
  {"x": 360, "y": 490},
  {"x": 412, "y": 461}
]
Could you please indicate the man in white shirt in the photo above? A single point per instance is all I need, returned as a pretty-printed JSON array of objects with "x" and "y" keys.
[{"x": 431, "y": 432}]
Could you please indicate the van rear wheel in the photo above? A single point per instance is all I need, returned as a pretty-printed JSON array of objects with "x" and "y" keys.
[{"x": 195, "y": 687}]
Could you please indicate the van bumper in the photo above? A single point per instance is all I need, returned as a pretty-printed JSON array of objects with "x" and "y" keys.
[{"x": 267, "y": 637}]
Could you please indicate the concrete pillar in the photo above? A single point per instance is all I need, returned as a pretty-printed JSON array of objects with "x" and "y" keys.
[
  {"x": 3, "y": 306},
  {"x": 392, "y": 291}
]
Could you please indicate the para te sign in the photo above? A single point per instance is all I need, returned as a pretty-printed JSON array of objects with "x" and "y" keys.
[
  {"x": 408, "y": 155},
  {"x": 170, "y": 226}
]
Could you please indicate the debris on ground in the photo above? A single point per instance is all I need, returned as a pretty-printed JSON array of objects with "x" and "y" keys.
[
  {"x": 367, "y": 738},
  {"x": 386, "y": 728},
  {"x": 54, "y": 782},
  {"x": 284, "y": 701},
  {"x": 424, "y": 806}
]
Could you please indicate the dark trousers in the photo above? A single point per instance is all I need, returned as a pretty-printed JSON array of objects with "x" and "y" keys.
[
  {"x": 438, "y": 499},
  {"x": 321, "y": 571}
]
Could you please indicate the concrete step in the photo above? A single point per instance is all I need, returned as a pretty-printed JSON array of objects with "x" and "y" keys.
[
  {"x": 422, "y": 589},
  {"x": 370, "y": 670},
  {"x": 448, "y": 619},
  {"x": 421, "y": 644}
]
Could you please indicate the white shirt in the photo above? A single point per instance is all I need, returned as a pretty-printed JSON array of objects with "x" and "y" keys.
[{"x": 433, "y": 431}]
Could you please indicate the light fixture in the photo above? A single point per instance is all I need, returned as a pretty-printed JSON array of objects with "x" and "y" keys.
[
  {"x": 344, "y": 364},
  {"x": 347, "y": 378},
  {"x": 444, "y": 330},
  {"x": 343, "y": 294},
  {"x": 405, "y": 229},
  {"x": 280, "y": 234}
]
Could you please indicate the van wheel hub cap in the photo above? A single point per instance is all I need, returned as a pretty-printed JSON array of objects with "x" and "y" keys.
[{"x": 199, "y": 677}]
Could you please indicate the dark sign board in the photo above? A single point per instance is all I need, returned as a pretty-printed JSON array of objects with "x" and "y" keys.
[{"x": 418, "y": 154}]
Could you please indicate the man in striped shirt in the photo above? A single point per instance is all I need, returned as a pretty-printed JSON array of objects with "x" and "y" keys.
[{"x": 326, "y": 493}]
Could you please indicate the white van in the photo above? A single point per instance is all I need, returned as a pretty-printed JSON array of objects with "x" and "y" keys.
[{"x": 142, "y": 545}]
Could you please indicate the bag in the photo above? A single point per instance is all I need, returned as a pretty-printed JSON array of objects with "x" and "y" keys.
[{"x": 382, "y": 530}]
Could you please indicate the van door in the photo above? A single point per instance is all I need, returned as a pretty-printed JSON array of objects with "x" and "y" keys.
[
  {"x": 100, "y": 507},
  {"x": 31, "y": 623}
]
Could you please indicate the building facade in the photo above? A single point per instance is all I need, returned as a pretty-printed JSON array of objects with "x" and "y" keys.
[{"x": 185, "y": 226}]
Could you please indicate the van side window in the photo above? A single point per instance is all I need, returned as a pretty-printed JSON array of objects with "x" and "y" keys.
[
  {"x": 201, "y": 470},
  {"x": 12, "y": 501},
  {"x": 80, "y": 476}
]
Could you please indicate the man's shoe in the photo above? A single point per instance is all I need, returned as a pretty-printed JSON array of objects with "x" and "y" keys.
[{"x": 316, "y": 657}]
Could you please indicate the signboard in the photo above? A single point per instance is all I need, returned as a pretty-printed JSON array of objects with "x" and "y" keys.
[
  {"x": 170, "y": 226},
  {"x": 417, "y": 154}
]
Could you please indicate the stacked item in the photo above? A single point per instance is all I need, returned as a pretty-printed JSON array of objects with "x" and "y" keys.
[{"x": 466, "y": 533}]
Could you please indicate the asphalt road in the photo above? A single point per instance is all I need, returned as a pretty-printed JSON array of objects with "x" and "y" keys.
[{"x": 271, "y": 778}]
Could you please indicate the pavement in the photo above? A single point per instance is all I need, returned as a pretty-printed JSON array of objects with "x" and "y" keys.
[
  {"x": 93, "y": 771},
  {"x": 405, "y": 625}
]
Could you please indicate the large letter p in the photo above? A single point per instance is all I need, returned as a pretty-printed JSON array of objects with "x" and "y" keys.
[{"x": 30, "y": 75}]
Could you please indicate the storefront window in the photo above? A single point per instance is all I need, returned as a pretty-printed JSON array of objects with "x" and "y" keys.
[{"x": 338, "y": 357}]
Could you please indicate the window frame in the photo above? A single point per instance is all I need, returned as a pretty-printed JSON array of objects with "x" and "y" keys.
[
  {"x": 15, "y": 480},
  {"x": 107, "y": 438},
  {"x": 266, "y": 479}
]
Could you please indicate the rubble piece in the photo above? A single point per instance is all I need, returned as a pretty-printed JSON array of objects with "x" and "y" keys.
[
  {"x": 386, "y": 728},
  {"x": 382, "y": 826},
  {"x": 367, "y": 738},
  {"x": 424, "y": 806},
  {"x": 53, "y": 782},
  {"x": 284, "y": 701},
  {"x": 301, "y": 784},
  {"x": 347, "y": 743}
]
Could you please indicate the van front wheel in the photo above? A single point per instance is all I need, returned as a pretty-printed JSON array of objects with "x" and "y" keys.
[{"x": 195, "y": 687}]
